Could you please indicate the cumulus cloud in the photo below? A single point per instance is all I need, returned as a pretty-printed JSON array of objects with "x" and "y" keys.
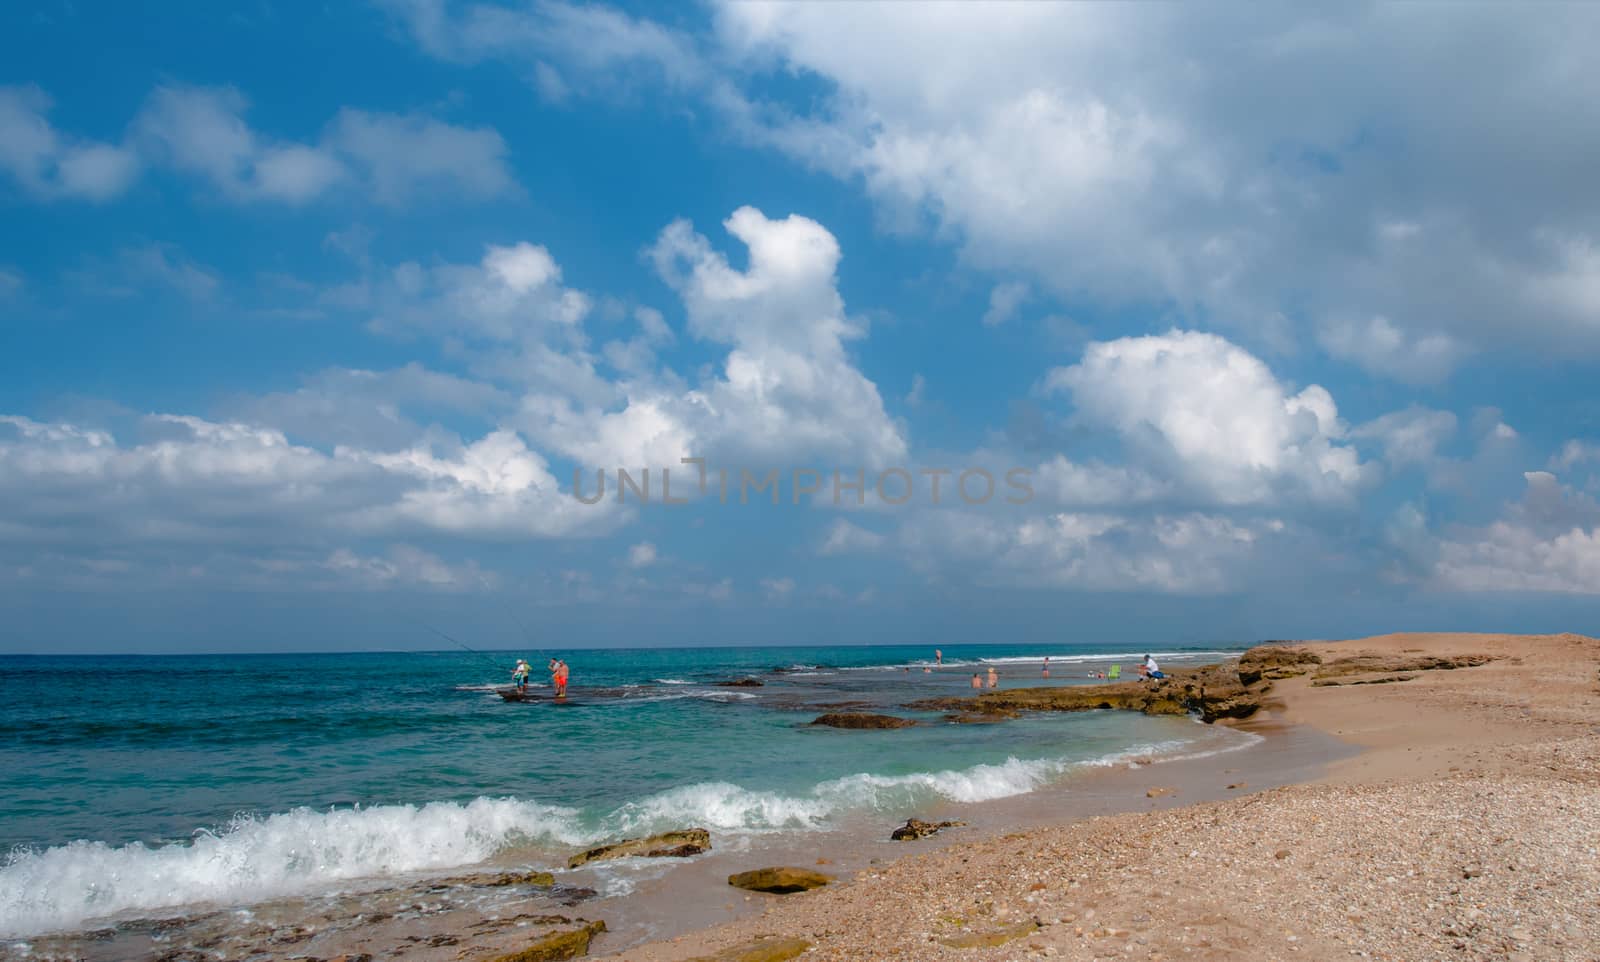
[
  {"x": 842, "y": 537},
  {"x": 1004, "y": 301},
  {"x": 787, "y": 386},
  {"x": 48, "y": 164},
  {"x": 187, "y": 480},
  {"x": 1411, "y": 436},
  {"x": 1186, "y": 554},
  {"x": 1135, "y": 154},
  {"x": 1207, "y": 413},
  {"x": 1548, "y": 542},
  {"x": 202, "y": 132},
  {"x": 642, "y": 555}
]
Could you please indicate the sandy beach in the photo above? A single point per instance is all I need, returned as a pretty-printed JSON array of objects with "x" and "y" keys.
[{"x": 1465, "y": 826}]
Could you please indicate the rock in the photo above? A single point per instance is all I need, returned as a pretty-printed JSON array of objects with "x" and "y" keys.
[
  {"x": 1274, "y": 661},
  {"x": 1235, "y": 785},
  {"x": 1471, "y": 871},
  {"x": 762, "y": 950},
  {"x": 976, "y": 718},
  {"x": 669, "y": 844},
  {"x": 983, "y": 940},
  {"x": 495, "y": 880},
  {"x": 741, "y": 683},
  {"x": 779, "y": 880},
  {"x": 556, "y": 946},
  {"x": 862, "y": 720},
  {"x": 915, "y": 828},
  {"x": 1159, "y": 792},
  {"x": 1212, "y": 692},
  {"x": 1370, "y": 664}
]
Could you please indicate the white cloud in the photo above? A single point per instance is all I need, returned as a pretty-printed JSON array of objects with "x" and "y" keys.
[
  {"x": 190, "y": 481},
  {"x": 1134, "y": 153},
  {"x": 49, "y": 165},
  {"x": 1203, "y": 411},
  {"x": 148, "y": 267},
  {"x": 843, "y": 537},
  {"x": 404, "y": 154},
  {"x": 642, "y": 555},
  {"x": 787, "y": 388},
  {"x": 1379, "y": 346},
  {"x": 406, "y": 566},
  {"x": 777, "y": 589},
  {"x": 11, "y": 282},
  {"x": 1186, "y": 554},
  {"x": 1548, "y": 542},
  {"x": 1411, "y": 436},
  {"x": 1004, "y": 301},
  {"x": 202, "y": 131},
  {"x": 1575, "y": 452}
]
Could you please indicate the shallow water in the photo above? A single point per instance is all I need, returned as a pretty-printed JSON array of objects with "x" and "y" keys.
[{"x": 193, "y": 781}]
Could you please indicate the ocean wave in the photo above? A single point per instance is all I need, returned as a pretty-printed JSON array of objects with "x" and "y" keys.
[
  {"x": 258, "y": 858},
  {"x": 305, "y": 851},
  {"x": 671, "y": 681}
]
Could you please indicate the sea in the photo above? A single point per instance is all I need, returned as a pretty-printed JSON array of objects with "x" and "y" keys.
[{"x": 136, "y": 787}]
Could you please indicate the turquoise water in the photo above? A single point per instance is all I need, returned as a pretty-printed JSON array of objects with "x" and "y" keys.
[{"x": 134, "y": 783}]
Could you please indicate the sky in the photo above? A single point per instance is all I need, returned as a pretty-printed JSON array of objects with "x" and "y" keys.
[{"x": 1085, "y": 323}]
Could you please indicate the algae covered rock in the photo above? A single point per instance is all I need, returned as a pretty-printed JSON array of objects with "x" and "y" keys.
[
  {"x": 666, "y": 845},
  {"x": 780, "y": 880},
  {"x": 862, "y": 720},
  {"x": 556, "y": 946},
  {"x": 916, "y": 828}
]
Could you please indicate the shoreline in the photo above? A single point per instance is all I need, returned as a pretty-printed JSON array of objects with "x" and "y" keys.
[
  {"x": 1423, "y": 842},
  {"x": 1319, "y": 730}
]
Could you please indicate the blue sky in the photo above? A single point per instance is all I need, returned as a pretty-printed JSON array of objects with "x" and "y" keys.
[{"x": 308, "y": 315}]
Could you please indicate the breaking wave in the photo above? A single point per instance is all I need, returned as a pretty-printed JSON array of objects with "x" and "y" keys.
[{"x": 306, "y": 851}]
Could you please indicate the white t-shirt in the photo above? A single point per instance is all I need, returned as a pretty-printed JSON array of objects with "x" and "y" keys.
[{"x": 1150, "y": 663}]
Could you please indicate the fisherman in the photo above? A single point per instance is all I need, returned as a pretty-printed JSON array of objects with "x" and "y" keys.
[{"x": 519, "y": 674}]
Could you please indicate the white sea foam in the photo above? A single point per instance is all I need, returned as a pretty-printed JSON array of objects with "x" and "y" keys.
[
  {"x": 671, "y": 681},
  {"x": 257, "y": 858},
  {"x": 304, "y": 851}
]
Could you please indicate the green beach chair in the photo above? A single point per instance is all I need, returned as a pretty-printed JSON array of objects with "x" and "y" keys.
[{"x": 1115, "y": 674}]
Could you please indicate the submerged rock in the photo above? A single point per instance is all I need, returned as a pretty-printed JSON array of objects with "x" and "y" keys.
[
  {"x": 741, "y": 683},
  {"x": 666, "y": 845},
  {"x": 495, "y": 880},
  {"x": 556, "y": 946},
  {"x": 916, "y": 828},
  {"x": 781, "y": 880},
  {"x": 862, "y": 720}
]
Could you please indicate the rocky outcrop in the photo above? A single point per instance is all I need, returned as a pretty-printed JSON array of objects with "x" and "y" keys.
[
  {"x": 1372, "y": 664},
  {"x": 762, "y": 950},
  {"x": 780, "y": 880},
  {"x": 667, "y": 845},
  {"x": 916, "y": 828},
  {"x": 1267, "y": 662},
  {"x": 848, "y": 719},
  {"x": 1212, "y": 692},
  {"x": 556, "y": 946},
  {"x": 741, "y": 683}
]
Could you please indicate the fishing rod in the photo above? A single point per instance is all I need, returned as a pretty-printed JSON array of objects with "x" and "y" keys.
[{"x": 485, "y": 658}]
